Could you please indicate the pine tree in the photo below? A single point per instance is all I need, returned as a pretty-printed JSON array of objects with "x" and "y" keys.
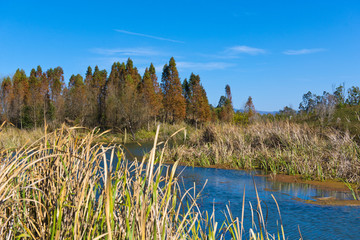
[{"x": 173, "y": 101}]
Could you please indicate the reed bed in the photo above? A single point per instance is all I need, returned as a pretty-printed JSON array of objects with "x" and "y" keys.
[
  {"x": 65, "y": 187},
  {"x": 11, "y": 137},
  {"x": 279, "y": 147}
]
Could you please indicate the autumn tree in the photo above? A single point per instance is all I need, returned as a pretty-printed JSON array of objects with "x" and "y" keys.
[
  {"x": 6, "y": 98},
  {"x": 198, "y": 109},
  {"x": 35, "y": 97},
  {"x": 187, "y": 94},
  {"x": 157, "y": 102},
  {"x": 39, "y": 91},
  {"x": 114, "y": 88},
  {"x": 56, "y": 85},
  {"x": 173, "y": 101},
  {"x": 99, "y": 80},
  {"x": 249, "y": 107},
  {"x": 151, "y": 92},
  {"x": 56, "y": 82},
  {"x": 125, "y": 107},
  {"x": 91, "y": 108},
  {"x": 20, "y": 97},
  {"x": 95, "y": 86},
  {"x": 47, "y": 106},
  {"x": 226, "y": 110},
  {"x": 88, "y": 76},
  {"x": 133, "y": 72},
  {"x": 75, "y": 99},
  {"x": 131, "y": 99}
]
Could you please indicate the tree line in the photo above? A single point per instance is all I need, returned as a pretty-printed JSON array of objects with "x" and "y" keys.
[
  {"x": 324, "y": 106},
  {"x": 121, "y": 99}
]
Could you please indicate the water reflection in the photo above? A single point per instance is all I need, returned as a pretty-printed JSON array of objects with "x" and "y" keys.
[
  {"x": 306, "y": 191},
  {"x": 225, "y": 187}
]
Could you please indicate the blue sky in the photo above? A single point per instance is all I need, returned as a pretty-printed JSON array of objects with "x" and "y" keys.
[{"x": 274, "y": 51}]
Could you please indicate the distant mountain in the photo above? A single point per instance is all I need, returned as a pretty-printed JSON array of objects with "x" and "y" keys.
[
  {"x": 267, "y": 112},
  {"x": 259, "y": 111}
]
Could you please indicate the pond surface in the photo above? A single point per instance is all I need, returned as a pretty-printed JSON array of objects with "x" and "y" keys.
[{"x": 225, "y": 187}]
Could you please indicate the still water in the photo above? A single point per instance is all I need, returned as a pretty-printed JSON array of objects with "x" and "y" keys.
[{"x": 225, "y": 187}]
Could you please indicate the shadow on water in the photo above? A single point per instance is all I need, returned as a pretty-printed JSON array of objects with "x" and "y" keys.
[{"x": 225, "y": 187}]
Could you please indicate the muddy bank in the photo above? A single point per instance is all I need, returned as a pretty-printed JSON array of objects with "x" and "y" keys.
[
  {"x": 330, "y": 201},
  {"x": 330, "y": 185},
  {"x": 326, "y": 184}
]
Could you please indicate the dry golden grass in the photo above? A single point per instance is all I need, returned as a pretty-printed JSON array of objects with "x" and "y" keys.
[
  {"x": 12, "y": 137},
  {"x": 274, "y": 147},
  {"x": 65, "y": 187}
]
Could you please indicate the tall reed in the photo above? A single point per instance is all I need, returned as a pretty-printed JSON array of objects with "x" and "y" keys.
[{"x": 65, "y": 187}]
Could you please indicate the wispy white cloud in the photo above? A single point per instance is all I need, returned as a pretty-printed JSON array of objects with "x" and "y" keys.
[
  {"x": 125, "y": 51},
  {"x": 236, "y": 50},
  {"x": 148, "y": 36},
  {"x": 303, "y": 51},
  {"x": 105, "y": 62},
  {"x": 204, "y": 65}
]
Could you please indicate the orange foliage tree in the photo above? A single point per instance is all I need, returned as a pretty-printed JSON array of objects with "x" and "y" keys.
[{"x": 173, "y": 100}]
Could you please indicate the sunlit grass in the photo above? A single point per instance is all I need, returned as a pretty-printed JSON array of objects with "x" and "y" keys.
[
  {"x": 278, "y": 147},
  {"x": 66, "y": 187}
]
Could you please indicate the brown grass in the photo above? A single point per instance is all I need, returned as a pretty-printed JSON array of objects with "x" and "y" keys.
[
  {"x": 275, "y": 147},
  {"x": 65, "y": 187}
]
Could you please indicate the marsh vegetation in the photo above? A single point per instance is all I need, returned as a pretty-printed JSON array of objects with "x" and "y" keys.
[
  {"x": 279, "y": 147},
  {"x": 65, "y": 187}
]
